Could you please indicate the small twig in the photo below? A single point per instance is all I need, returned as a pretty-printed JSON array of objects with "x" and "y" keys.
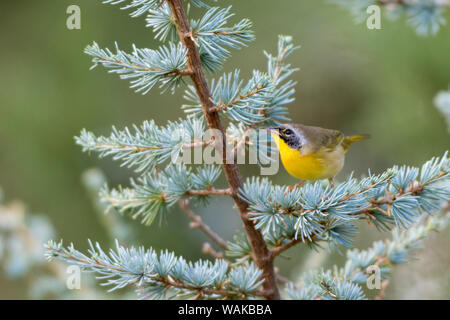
[
  {"x": 414, "y": 189},
  {"x": 210, "y": 192},
  {"x": 198, "y": 223},
  {"x": 197, "y": 144},
  {"x": 185, "y": 72},
  {"x": 382, "y": 292},
  {"x": 209, "y": 250},
  {"x": 197, "y": 193},
  {"x": 279, "y": 65},
  {"x": 201, "y": 291},
  {"x": 125, "y": 147},
  {"x": 281, "y": 278},
  {"x": 278, "y": 250},
  {"x": 224, "y": 106},
  {"x": 168, "y": 282},
  {"x": 136, "y": 149},
  {"x": 241, "y": 143}
]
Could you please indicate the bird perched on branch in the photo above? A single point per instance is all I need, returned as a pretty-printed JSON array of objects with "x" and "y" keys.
[{"x": 312, "y": 153}]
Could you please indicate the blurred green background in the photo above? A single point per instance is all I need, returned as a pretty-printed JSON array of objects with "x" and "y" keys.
[{"x": 353, "y": 79}]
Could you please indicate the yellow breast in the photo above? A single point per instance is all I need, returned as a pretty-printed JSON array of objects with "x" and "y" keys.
[{"x": 312, "y": 166}]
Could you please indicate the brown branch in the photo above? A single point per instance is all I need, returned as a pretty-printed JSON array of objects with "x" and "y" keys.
[
  {"x": 382, "y": 293},
  {"x": 136, "y": 149},
  {"x": 228, "y": 33},
  {"x": 415, "y": 189},
  {"x": 209, "y": 250},
  {"x": 279, "y": 65},
  {"x": 210, "y": 192},
  {"x": 241, "y": 143},
  {"x": 198, "y": 223},
  {"x": 260, "y": 252},
  {"x": 197, "y": 144},
  {"x": 193, "y": 193},
  {"x": 224, "y": 106},
  {"x": 166, "y": 282},
  {"x": 278, "y": 250},
  {"x": 186, "y": 72},
  {"x": 125, "y": 147},
  {"x": 223, "y": 292},
  {"x": 281, "y": 279}
]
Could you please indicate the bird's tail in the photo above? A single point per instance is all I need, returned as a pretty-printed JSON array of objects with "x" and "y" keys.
[{"x": 348, "y": 141}]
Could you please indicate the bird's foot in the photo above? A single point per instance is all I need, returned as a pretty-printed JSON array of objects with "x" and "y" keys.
[
  {"x": 331, "y": 181},
  {"x": 298, "y": 185}
]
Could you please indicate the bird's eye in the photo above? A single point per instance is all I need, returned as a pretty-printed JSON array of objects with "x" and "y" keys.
[{"x": 288, "y": 132}]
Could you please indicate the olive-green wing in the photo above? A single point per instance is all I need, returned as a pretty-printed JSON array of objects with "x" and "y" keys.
[
  {"x": 320, "y": 138},
  {"x": 332, "y": 139}
]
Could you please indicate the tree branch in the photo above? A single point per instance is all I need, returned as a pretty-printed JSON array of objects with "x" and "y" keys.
[
  {"x": 185, "y": 72},
  {"x": 382, "y": 293},
  {"x": 242, "y": 142},
  {"x": 210, "y": 192},
  {"x": 169, "y": 281},
  {"x": 224, "y": 106},
  {"x": 375, "y": 204},
  {"x": 198, "y": 223},
  {"x": 209, "y": 250},
  {"x": 197, "y": 144},
  {"x": 278, "y": 250},
  {"x": 260, "y": 252},
  {"x": 137, "y": 149},
  {"x": 223, "y": 292}
]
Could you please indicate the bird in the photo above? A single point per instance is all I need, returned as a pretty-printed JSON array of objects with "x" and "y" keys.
[{"x": 312, "y": 153}]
